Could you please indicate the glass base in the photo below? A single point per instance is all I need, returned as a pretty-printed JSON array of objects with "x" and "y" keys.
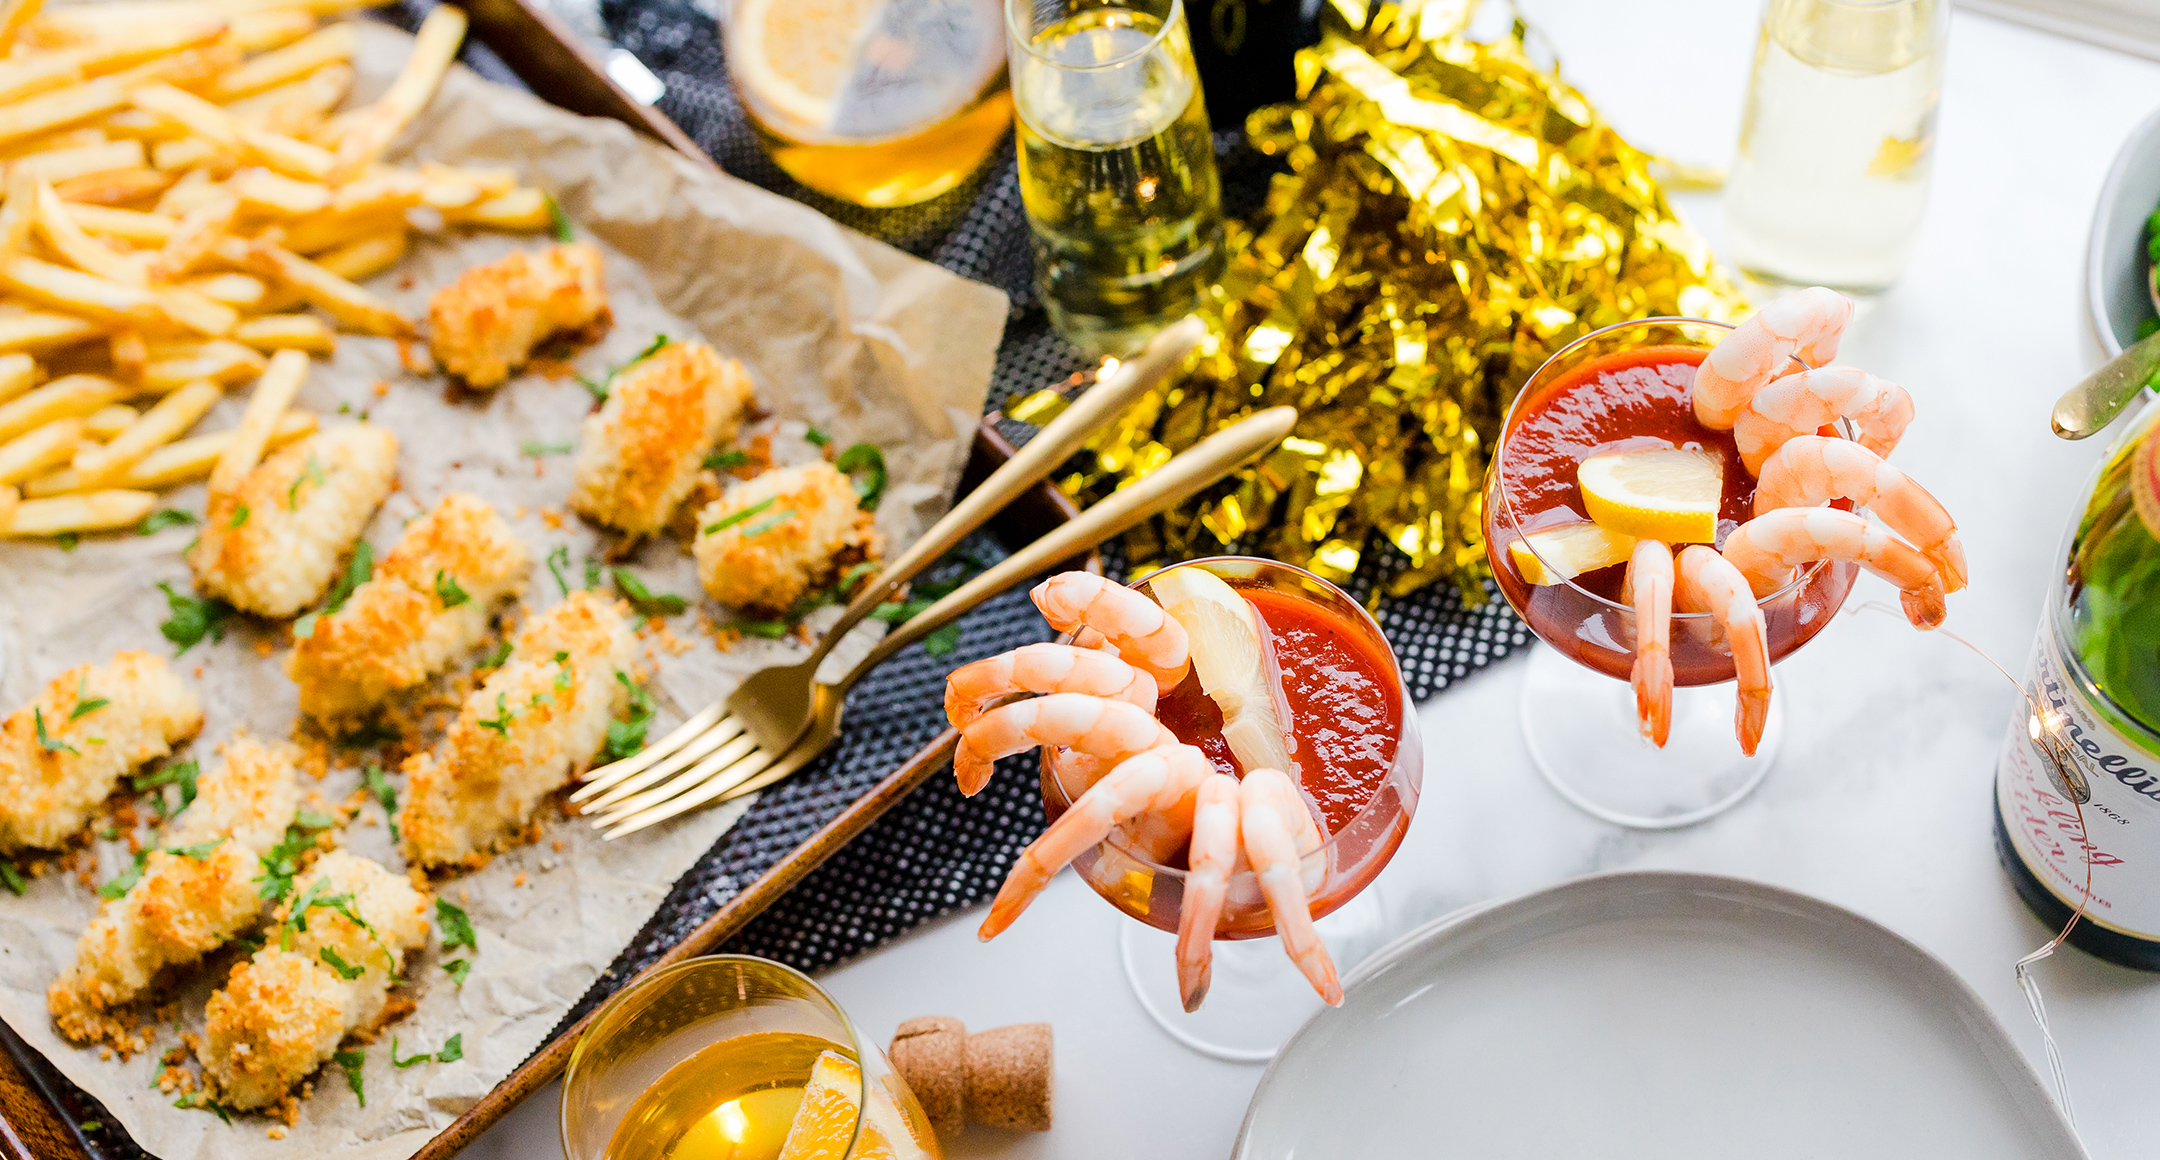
[
  {"x": 1583, "y": 737},
  {"x": 1256, "y": 998}
]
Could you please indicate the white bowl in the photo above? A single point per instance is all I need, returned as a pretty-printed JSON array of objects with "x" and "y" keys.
[{"x": 2115, "y": 262}]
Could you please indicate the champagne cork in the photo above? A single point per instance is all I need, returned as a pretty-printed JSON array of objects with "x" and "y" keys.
[{"x": 1002, "y": 1077}]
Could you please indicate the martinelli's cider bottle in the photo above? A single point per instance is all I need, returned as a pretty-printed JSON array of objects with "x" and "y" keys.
[{"x": 2095, "y": 683}]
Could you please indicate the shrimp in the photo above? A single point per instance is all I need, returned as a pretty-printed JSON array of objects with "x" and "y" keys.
[
  {"x": 1134, "y": 625},
  {"x": 1811, "y": 470},
  {"x": 1767, "y": 548},
  {"x": 1277, "y": 831},
  {"x": 1806, "y": 323},
  {"x": 1095, "y": 726},
  {"x": 1801, "y": 404},
  {"x": 1650, "y": 590},
  {"x": 1158, "y": 785},
  {"x": 1212, "y": 858},
  {"x": 1708, "y": 582},
  {"x": 1043, "y": 668}
]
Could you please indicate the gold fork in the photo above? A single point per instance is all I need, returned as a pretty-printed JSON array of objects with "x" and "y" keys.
[
  {"x": 775, "y": 705},
  {"x": 726, "y": 775}
]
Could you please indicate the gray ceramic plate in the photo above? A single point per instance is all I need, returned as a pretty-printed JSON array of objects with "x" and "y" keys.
[
  {"x": 1654, "y": 1015},
  {"x": 2115, "y": 260}
]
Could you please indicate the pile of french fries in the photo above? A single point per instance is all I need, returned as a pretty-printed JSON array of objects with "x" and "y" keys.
[{"x": 184, "y": 202}]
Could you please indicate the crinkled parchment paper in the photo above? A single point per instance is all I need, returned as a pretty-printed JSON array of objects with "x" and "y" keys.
[{"x": 839, "y": 331}]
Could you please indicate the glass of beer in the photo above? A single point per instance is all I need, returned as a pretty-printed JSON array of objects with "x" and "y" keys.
[
  {"x": 1117, "y": 168},
  {"x": 882, "y": 103}
]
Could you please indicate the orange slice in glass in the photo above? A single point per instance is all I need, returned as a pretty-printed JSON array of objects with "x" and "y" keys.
[
  {"x": 795, "y": 56},
  {"x": 825, "y": 1122}
]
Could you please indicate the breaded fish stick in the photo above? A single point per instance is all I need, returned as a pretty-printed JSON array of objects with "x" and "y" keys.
[
  {"x": 522, "y": 735},
  {"x": 773, "y": 538},
  {"x": 485, "y": 325},
  {"x": 321, "y": 976},
  {"x": 429, "y": 602},
  {"x": 197, "y": 888},
  {"x": 63, "y": 754},
  {"x": 639, "y": 455},
  {"x": 272, "y": 546}
]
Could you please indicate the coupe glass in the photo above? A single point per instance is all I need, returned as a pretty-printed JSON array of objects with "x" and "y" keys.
[
  {"x": 1256, "y": 997},
  {"x": 1578, "y": 710}
]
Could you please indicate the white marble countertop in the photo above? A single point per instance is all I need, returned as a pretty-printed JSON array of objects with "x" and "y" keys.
[{"x": 1881, "y": 799}]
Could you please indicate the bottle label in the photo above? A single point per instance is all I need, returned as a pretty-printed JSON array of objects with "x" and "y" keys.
[{"x": 2120, "y": 828}]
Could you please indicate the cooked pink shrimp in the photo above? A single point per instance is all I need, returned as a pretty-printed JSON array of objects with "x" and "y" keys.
[
  {"x": 1708, "y": 582},
  {"x": 1802, "y": 404},
  {"x": 1650, "y": 589},
  {"x": 1158, "y": 786},
  {"x": 1212, "y": 858},
  {"x": 1278, "y": 831},
  {"x": 1095, "y": 726},
  {"x": 1043, "y": 668},
  {"x": 1767, "y": 548},
  {"x": 1806, "y": 323},
  {"x": 1136, "y": 626},
  {"x": 1812, "y": 470}
]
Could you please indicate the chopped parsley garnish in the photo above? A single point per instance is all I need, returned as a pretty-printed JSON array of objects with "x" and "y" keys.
[
  {"x": 600, "y": 389},
  {"x": 358, "y": 570},
  {"x": 769, "y": 629},
  {"x": 455, "y": 925},
  {"x": 447, "y": 590},
  {"x": 282, "y": 861},
  {"x": 68, "y": 541},
  {"x": 312, "y": 474},
  {"x": 162, "y": 519},
  {"x": 239, "y": 517},
  {"x": 12, "y": 878},
  {"x": 558, "y": 560},
  {"x": 458, "y": 968},
  {"x": 345, "y": 970},
  {"x": 732, "y": 518},
  {"x": 91, "y": 1125},
  {"x": 646, "y": 601},
  {"x": 627, "y": 737},
  {"x": 127, "y": 877},
  {"x": 182, "y": 774},
  {"x": 536, "y": 449},
  {"x": 453, "y": 1049},
  {"x": 769, "y": 523},
  {"x": 868, "y": 460},
  {"x": 193, "y": 619},
  {"x": 378, "y": 783},
  {"x": 559, "y": 222},
  {"x": 817, "y": 438},
  {"x": 562, "y": 672},
  {"x": 497, "y": 655},
  {"x": 314, "y": 820},
  {"x": 727, "y": 460},
  {"x": 593, "y": 572},
  {"x": 352, "y": 1062},
  {"x": 45, "y": 740},
  {"x": 198, "y": 851},
  {"x": 84, "y": 704},
  {"x": 503, "y": 716},
  {"x": 942, "y": 640},
  {"x": 199, "y": 1100}
]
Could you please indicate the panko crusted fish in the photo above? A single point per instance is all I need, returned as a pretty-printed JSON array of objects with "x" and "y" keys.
[
  {"x": 774, "y": 537},
  {"x": 273, "y": 545},
  {"x": 65, "y": 752},
  {"x": 429, "y": 602},
  {"x": 639, "y": 455},
  {"x": 484, "y": 326}
]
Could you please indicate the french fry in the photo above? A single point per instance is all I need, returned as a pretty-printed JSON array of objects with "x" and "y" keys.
[
  {"x": 118, "y": 187},
  {"x": 40, "y": 330},
  {"x": 87, "y": 253},
  {"x": 67, "y": 106},
  {"x": 74, "y": 138},
  {"x": 13, "y": 15},
  {"x": 297, "y": 105},
  {"x": 193, "y": 70},
  {"x": 186, "y": 153},
  {"x": 9, "y": 498},
  {"x": 62, "y": 164},
  {"x": 333, "y": 44},
  {"x": 273, "y": 394},
  {"x": 184, "y": 461},
  {"x": 35, "y": 450},
  {"x": 366, "y": 257},
  {"x": 105, "y": 425},
  {"x": 202, "y": 118},
  {"x": 136, "y": 125},
  {"x": 257, "y": 31},
  {"x": 134, "y": 45},
  {"x": 263, "y": 192},
  {"x": 130, "y": 354},
  {"x": 449, "y": 189},
  {"x": 272, "y": 332},
  {"x": 18, "y": 215},
  {"x": 380, "y": 192},
  {"x": 77, "y": 292},
  {"x": 29, "y": 76},
  {"x": 193, "y": 189},
  {"x": 199, "y": 229},
  {"x": 71, "y": 397},
  {"x": 128, "y": 225},
  {"x": 523, "y": 210},
  {"x": 327, "y": 231},
  {"x": 97, "y": 511},
  {"x": 240, "y": 291},
  {"x": 188, "y": 309},
  {"x": 159, "y": 425},
  {"x": 434, "y": 47},
  {"x": 337, "y": 297},
  {"x": 219, "y": 361},
  {"x": 18, "y": 373}
]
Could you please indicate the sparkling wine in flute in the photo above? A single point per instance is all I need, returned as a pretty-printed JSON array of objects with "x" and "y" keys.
[{"x": 1117, "y": 170}]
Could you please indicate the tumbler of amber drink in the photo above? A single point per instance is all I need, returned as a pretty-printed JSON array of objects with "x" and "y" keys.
[{"x": 731, "y": 1057}]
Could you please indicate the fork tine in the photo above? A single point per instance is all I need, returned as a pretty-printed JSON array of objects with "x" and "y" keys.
[
  {"x": 717, "y": 785},
  {"x": 613, "y": 772},
  {"x": 734, "y": 751},
  {"x": 727, "y": 730}
]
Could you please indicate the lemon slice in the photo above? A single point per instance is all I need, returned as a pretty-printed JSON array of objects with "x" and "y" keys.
[
  {"x": 1225, "y": 632},
  {"x": 796, "y": 56},
  {"x": 1560, "y": 554},
  {"x": 1669, "y": 495},
  {"x": 825, "y": 1120}
]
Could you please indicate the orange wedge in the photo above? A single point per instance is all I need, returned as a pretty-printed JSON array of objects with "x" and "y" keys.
[{"x": 825, "y": 1122}]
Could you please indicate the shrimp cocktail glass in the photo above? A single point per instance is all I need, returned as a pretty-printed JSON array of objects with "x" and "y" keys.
[
  {"x": 1676, "y": 504},
  {"x": 1227, "y": 755}
]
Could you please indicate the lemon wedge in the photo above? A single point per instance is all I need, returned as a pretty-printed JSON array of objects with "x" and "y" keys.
[
  {"x": 1560, "y": 554},
  {"x": 1224, "y": 629},
  {"x": 1668, "y": 495}
]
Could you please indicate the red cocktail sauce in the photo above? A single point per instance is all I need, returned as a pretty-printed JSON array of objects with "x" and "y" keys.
[{"x": 1343, "y": 707}]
